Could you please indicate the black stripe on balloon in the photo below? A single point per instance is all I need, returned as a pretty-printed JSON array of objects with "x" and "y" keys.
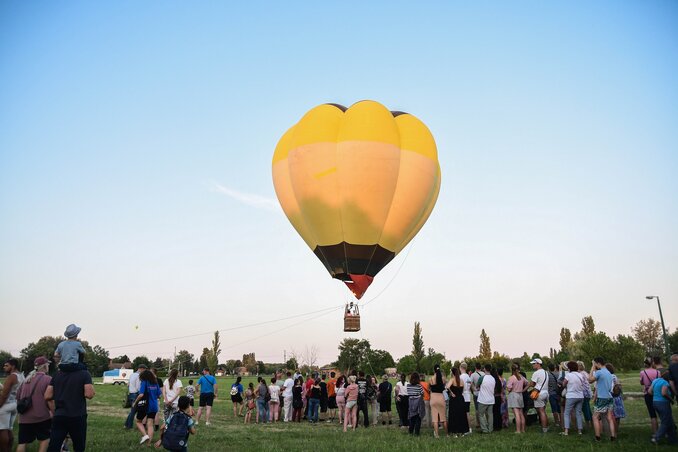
[
  {"x": 398, "y": 113},
  {"x": 344, "y": 258},
  {"x": 339, "y": 106}
]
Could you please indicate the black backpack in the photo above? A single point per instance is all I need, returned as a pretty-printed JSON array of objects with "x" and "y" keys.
[{"x": 175, "y": 436}]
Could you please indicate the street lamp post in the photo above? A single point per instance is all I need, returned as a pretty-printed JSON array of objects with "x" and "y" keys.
[{"x": 661, "y": 317}]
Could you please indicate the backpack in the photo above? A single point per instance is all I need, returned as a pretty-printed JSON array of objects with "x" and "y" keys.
[
  {"x": 175, "y": 436},
  {"x": 234, "y": 390}
]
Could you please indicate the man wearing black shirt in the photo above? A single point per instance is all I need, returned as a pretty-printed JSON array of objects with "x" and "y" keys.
[
  {"x": 362, "y": 398},
  {"x": 69, "y": 390}
]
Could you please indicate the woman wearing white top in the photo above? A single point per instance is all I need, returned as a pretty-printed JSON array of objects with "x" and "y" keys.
[
  {"x": 274, "y": 403},
  {"x": 574, "y": 398},
  {"x": 171, "y": 390},
  {"x": 466, "y": 380}
]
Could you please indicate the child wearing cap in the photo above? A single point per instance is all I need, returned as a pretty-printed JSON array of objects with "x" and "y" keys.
[{"x": 70, "y": 353}]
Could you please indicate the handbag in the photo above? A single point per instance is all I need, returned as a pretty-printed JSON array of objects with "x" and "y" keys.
[
  {"x": 534, "y": 394},
  {"x": 25, "y": 403}
]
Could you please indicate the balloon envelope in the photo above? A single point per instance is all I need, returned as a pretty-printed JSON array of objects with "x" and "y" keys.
[{"x": 357, "y": 184}]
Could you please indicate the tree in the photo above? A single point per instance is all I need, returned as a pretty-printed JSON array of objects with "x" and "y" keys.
[
  {"x": 184, "y": 362},
  {"x": 213, "y": 356},
  {"x": 565, "y": 339},
  {"x": 45, "y": 346},
  {"x": 203, "y": 364},
  {"x": 406, "y": 365},
  {"x": 431, "y": 359},
  {"x": 352, "y": 353},
  {"x": 5, "y": 355},
  {"x": 96, "y": 358},
  {"x": 485, "y": 349},
  {"x": 628, "y": 353},
  {"x": 501, "y": 361},
  {"x": 141, "y": 359},
  {"x": 673, "y": 341},
  {"x": 378, "y": 361},
  {"x": 593, "y": 345},
  {"x": 121, "y": 359},
  {"x": 310, "y": 357},
  {"x": 588, "y": 327},
  {"x": 157, "y": 364},
  {"x": 649, "y": 334},
  {"x": 292, "y": 364},
  {"x": 417, "y": 346}
]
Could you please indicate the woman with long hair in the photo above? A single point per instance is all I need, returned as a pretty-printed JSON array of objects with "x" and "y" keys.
[
  {"x": 147, "y": 405},
  {"x": 586, "y": 404},
  {"x": 236, "y": 397},
  {"x": 574, "y": 397},
  {"x": 297, "y": 399},
  {"x": 437, "y": 400},
  {"x": 351, "y": 412},
  {"x": 458, "y": 421},
  {"x": 171, "y": 390},
  {"x": 341, "y": 399},
  {"x": 516, "y": 387},
  {"x": 416, "y": 406},
  {"x": 249, "y": 401},
  {"x": 496, "y": 408},
  {"x": 274, "y": 403}
]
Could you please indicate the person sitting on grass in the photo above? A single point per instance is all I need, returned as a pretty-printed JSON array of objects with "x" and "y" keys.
[{"x": 175, "y": 432}]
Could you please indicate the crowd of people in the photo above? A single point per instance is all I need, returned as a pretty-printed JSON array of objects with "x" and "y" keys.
[{"x": 53, "y": 410}]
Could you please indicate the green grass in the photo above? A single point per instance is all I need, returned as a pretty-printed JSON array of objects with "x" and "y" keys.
[{"x": 106, "y": 433}]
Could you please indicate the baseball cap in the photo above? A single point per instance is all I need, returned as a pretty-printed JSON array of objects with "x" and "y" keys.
[
  {"x": 40, "y": 361},
  {"x": 536, "y": 361}
]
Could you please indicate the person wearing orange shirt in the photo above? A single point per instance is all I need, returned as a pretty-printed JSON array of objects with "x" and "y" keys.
[
  {"x": 427, "y": 400},
  {"x": 332, "y": 396}
]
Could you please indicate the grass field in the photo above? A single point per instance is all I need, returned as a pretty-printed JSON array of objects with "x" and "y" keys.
[{"x": 106, "y": 432}]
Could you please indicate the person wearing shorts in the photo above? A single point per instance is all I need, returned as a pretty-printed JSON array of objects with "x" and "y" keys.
[
  {"x": 384, "y": 395},
  {"x": 540, "y": 381},
  {"x": 207, "y": 385},
  {"x": 147, "y": 405},
  {"x": 647, "y": 376},
  {"x": 604, "y": 404},
  {"x": 36, "y": 423}
]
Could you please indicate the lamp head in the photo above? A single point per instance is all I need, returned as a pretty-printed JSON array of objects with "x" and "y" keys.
[{"x": 650, "y": 297}]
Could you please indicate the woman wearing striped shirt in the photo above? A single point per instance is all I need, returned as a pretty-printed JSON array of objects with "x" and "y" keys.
[{"x": 416, "y": 409}]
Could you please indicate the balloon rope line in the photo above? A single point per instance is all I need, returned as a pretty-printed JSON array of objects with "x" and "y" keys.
[
  {"x": 327, "y": 310},
  {"x": 409, "y": 250},
  {"x": 285, "y": 328}
]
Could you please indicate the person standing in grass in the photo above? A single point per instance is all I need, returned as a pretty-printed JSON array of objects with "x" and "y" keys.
[
  {"x": 340, "y": 388},
  {"x": 619, "y": 409},
  {"x": 647, "y": 376},
  {"x": 324, "y": 397},
  {"x": 351, "y": 412},
  {"x": 486, "y": 386},
  {"x": 574, "y": 397},
  {"x": 274, "y": 391},
  {"x": 402, "y": 400},
  {"x": 70, "y": 392},
  {"x": 249, "y": 401},
  {"x": 384, "y": 392},
  {"x": 190, "y": 393},
  {"x": 297, "y": 399},
  {"x": 466, "y": 380},
  {"x": 314, "y": 401},
  {"x": 178, "y": 429},
  {"x": 604, "y": 404},
  {"x": 457, "y": 423},
  {"x": 236, "y": 396},
  {"x": 288, "y": 386},
  {"x": 516, "y": 386},
  {"x": 426, "y": 421},
  {"x": 416, "y": 408},
  {"x": 8, "y": 401},
  {"x": 661, "y": 397},
  {"x": 540, "y": 381},
  {"x": 586, "y": 404},
  {"x": 207, "y": 385},
  {"x": 37, "y": 421},
  {"x": 475, "y": 376},
  {"x": 554, "y": 395},
  {"x": 438, "y": 410},
  {"x": 263, "y": 398},
  {"x": 147, "y": 405},
  {"x": 171, "y": 390},
  {"x": 132, "y": 393},
  {"x": 371, "y": 394},
  {"x": 332, "y": 396}
]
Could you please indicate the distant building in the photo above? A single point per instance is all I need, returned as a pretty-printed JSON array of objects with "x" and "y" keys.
[
  {"x": 241, "y": 371},
  {"x": 112, "y": 365}
]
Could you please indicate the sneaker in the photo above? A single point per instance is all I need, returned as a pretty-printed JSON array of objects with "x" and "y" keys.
[
  {"x": 208, "y": 423},
  {"x": 565, "y": 433},
  {"x": 144, "y": 439}
]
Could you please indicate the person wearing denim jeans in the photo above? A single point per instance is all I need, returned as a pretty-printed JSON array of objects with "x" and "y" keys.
[
  {"x": 132, "y": 393},
  {"x": 262, "y": 403},
  {"x": 314, "y": 401},
  {"x": 661, "y": 400}
]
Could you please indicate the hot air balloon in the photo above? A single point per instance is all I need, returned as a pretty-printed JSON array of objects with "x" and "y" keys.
[{"x": 357, "y": 184}]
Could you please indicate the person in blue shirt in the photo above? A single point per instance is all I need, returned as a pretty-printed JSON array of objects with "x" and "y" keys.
[
  {"x": 604, "y": 404},
  {"x": 207, "y": 385},
  {"x": 661, "y": 401},
  {"x": 147, "y": 404},
  {"x": 237, "y": 391}
]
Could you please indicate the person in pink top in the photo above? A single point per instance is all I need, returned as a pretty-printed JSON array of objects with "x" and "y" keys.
[
  {"x": 647, "y": 376},
  {"x": 36, "y": 423},
  {"x": 351, "y": 395},
  {"x": 516, "y": 386}
]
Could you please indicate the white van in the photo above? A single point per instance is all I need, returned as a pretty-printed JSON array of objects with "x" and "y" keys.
[{"x": 117, "y": 376}]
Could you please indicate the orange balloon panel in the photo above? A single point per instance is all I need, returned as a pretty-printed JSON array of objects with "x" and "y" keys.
[{"x": 357, "y": 184}]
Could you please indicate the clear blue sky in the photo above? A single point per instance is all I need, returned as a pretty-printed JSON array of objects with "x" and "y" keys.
[{"x": 135, "y": 184}]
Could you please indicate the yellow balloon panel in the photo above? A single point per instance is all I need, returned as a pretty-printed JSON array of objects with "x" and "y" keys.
[{"x": 357, "y": 184}]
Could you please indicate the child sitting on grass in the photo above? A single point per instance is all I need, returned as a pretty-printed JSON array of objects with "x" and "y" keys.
[{"x": 175, "y": 432}]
